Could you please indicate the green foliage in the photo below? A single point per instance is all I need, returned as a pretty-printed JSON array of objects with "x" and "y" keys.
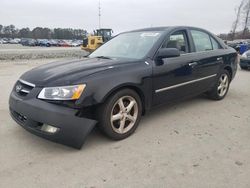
[{"x": 11, "y": 31}]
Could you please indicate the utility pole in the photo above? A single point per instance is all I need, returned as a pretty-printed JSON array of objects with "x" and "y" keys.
[
  {"x": 99, "y": 14},
  {"x": 237, "y": 19}
]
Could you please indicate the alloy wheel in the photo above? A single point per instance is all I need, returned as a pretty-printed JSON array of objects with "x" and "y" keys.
[
  {"x": 124, "y": 114},
  {"x": 223, "y": 85}
]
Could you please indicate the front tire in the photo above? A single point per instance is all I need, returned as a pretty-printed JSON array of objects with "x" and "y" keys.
[
  {"x": 120, "y": 115},
  {"x": 220, "y": 89}
]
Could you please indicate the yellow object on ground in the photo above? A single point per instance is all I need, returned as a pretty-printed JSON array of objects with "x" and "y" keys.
[{"x": 100, "y": 36}]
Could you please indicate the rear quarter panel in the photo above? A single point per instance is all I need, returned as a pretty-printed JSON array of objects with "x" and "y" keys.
[{"x": 230, "y": 60}]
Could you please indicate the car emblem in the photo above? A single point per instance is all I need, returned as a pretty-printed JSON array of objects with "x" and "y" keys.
[{"x": 18, "y": 88}]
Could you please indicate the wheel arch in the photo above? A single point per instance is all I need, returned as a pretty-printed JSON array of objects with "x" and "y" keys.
[
  {"x": 230, "y": 70},
  {"x": 128, "y": 86}
]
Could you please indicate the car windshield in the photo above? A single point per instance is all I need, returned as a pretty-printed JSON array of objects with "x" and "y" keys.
[{"x": 134, "y": 45}]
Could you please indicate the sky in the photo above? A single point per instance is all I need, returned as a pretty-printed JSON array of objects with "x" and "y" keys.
[{"x": 216, "y": 16}]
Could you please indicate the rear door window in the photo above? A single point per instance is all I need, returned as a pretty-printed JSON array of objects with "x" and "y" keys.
[
  {"x": 215, "y": 44},
  {"x": 201, "y": 40}
]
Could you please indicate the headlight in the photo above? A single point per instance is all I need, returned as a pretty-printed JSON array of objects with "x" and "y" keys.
[{"x": 62, "y": 93}]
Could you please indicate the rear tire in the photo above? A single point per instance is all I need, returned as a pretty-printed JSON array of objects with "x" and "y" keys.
[
  {"x": 120, "y": 115},
  {"x": 220, "y": 89}
]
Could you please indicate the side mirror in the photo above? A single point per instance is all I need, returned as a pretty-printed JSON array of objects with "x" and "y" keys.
[{"x": 168, "y": 52}]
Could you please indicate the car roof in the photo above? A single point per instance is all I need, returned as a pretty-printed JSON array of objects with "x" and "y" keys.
[
  {"x": 165, "y": 28},
  {"x": 151, "y": 29}
]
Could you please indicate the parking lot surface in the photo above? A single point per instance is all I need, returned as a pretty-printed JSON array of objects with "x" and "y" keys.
[
  {"x": 17, "y": 52},
  {"x": 194, "y": 143}
]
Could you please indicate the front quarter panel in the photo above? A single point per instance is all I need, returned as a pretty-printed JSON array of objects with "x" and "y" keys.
[{"x": 103, "y": 84}]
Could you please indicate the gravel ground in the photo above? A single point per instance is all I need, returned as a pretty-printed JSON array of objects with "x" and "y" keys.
[
  {"x": 197, "y": 143},
  {"x": 17, "y": 52}
]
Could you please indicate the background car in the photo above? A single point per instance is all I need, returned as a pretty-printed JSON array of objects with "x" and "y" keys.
[
  {"x": 53, "y": 42},
  {"x": 63, "y": 43},
  {"x": 232, "y": 44},
  {"x": 14, "y": 41},
  {"x": 5, "y": 40},
  {"x": 75, "y": 43},
  {"x": 28, "y": 42},
  {"x": 43, "y": 42},
  {"x": 245, "y": 60},
  {"x": 241, "y": 45},
  {"x": 24, "y": 41}
]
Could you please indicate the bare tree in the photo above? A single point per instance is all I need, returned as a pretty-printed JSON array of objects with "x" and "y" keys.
[
  {"x": 236, "y": 23},
  {"x": 1, "y": 27},
  {"x": 246, "y": 17}
]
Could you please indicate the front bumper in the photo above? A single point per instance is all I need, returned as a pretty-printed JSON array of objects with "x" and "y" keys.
[
  {"x": 245, "y": 63},
  {"x": 32, "y": 113}
]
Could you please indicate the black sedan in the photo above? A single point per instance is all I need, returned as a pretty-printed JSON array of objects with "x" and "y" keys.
[{"x": 121, "y": 81}]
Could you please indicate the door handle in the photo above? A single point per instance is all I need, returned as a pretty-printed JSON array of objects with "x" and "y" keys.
[
  {"x": 193, "y": 64},
  {"x": 219, "y": 58}
]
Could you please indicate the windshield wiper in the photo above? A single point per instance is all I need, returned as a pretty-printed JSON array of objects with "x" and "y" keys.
[{"x": 103, "y": 57}]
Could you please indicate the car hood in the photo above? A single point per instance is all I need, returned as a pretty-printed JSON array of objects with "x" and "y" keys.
[{"x": 66, "y": 72}]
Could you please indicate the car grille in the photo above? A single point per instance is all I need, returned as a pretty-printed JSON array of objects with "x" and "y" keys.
[{"x": 23, "y": 88}]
